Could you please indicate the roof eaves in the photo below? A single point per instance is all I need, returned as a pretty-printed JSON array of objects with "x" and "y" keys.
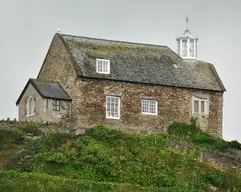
[
  {"x": 217, "y": 77},
  {"x": 69, "y": 98},
  {"x": 24, "y": 89},
  {"x": 136, "y": 82}
]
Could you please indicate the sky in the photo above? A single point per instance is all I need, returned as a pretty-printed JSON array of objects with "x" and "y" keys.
[{"x": 28, "y": 26}]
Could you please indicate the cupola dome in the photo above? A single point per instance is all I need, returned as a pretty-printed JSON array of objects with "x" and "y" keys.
[{"x": 187, "y": 44}]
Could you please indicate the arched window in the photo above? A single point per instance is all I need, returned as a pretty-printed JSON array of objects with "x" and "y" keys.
[{"x": 30, "y": 106}]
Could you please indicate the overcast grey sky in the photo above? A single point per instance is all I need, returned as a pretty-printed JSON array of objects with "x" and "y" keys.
[{"x": 28, "y": 26}]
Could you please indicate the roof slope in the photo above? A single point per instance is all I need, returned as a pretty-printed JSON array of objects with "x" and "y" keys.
[
  {"x": 51, "y": 90},
  {"x": 140, "y": 63}
]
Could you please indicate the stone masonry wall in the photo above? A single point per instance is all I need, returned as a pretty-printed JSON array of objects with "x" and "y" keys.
[
  {"x": 58, "y": 67},
  {"x": 89, "y": 98},
  {"x": 174, "y": 104}
]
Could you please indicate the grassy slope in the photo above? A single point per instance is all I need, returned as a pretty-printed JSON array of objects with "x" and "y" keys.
[{"x": 104, "y": 159}]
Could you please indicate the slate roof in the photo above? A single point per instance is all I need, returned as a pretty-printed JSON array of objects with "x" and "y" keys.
[
  {"x": 140, "y": 63},
  {"x": 51, "y": 90}
]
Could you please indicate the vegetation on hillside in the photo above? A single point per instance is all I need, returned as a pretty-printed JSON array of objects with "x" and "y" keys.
[{"x": 106, "y": 159}]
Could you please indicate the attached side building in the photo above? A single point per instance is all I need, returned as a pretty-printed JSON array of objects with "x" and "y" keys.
[
  {"x": 43, "y": 102},
  {"x": 131, "y": 86}
]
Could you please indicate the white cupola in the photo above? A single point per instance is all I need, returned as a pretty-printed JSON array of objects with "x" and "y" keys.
[{"x": 187, "y": 44}]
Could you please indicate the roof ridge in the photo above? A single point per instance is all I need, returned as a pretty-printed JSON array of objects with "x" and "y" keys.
[{"x": 117, "y": 41}]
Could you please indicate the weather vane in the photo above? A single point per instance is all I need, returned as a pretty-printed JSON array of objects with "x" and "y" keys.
[{"x": 187, "y": 20}]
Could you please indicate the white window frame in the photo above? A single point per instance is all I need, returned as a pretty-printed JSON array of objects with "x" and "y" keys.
[
  {"x": 148, "y": 110},
  {"x": 200, "y": 100},
  {"x": 108, "y": 110},
  {"x": 30, "y": 107},
  {"x": 56, "y": 105},
  {"x": 102, "y": 63}
]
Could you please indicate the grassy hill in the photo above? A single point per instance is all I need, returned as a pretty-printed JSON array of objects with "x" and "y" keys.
[{"x": 106, "y": 159}]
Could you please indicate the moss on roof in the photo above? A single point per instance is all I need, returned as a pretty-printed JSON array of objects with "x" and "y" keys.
[{"x": 141, "y": 63}]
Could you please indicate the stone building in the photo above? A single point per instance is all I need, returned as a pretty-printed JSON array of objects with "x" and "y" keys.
[{"x": 132, "y": 86}]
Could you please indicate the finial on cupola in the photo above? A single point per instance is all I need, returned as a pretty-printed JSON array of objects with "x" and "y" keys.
[{"x": 187, "y": 44}]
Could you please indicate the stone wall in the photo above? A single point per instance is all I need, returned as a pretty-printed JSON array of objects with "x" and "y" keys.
[
  {"x": 46, "y": 128},
  {"x": 9, "y": 124},
  {"x": 174, "y": 104},
  {"x": 229, "y": 160},
  {"x": 89, "y": 98}
]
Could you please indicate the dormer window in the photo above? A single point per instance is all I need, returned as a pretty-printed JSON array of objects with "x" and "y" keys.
[{"x": 103, "y": 66}]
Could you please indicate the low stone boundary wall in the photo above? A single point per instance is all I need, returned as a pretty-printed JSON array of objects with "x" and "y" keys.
[
  {"x": 9, "y": 124},
  {"x": 230, "y": 159},
  {"x": 45, "y": 128}
]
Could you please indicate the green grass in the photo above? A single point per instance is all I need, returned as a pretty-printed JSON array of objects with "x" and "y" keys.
[
  {"x": 28, "y": 182},
  {"x": 111, "y": 160}
]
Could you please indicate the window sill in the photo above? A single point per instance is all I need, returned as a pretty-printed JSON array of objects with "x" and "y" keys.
[
  {"x": 103, "y": 73},
  {"x": 153, "y": 114},
  {"x": 117, "y": 118},
  {"x": 30, "y": 115},
  {"x": 200, "y": 114}
]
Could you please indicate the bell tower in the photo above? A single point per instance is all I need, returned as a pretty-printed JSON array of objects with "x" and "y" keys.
[{"x": 187, "y": 44}]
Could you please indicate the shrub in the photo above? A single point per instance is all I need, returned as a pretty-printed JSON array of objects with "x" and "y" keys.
[
  {"x": 18, "y": 135},
  {"x": 105, "y": 133},
  {"x": 191, "y": 133},
  {"x": 9, "y": 138},
  {"x": 5, "y": 135},
  {"x": 235, "y": 145},
  {"x": 207, "y": 141},
  {"x": 52, "y": 141},
  {"x": 19, "y": 155},
  {"x": 183, "y": 130},
  {"x": 32, "y": 128}
]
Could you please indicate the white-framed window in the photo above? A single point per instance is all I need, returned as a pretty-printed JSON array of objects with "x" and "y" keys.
[
  {"x": 30, "y": 107},
  {"x": 149, "y": 107},
  {"x": 103, "y": 66},
  {"x": 200, "y": 106},
  {"x": 56, "y": 105},
  {"x": 112, "y": 107}
]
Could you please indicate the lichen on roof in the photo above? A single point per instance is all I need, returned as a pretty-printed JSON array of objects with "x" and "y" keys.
[{"x": 140, "y": 63}]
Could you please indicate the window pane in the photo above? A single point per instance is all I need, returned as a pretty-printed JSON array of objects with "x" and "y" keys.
[
  {"x": 112, "y": 107},
  {"x": 202, "y": 106},
  {"x": 196, "y": 107},
  {"x": 149, "y": 106},
  {"x": 184, "y": 48},
  {"x": 102, "y": 66}
]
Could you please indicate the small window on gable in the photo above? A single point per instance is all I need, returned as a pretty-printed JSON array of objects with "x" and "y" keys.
[
  {"x": 103, "y": 66},
  {"x": 200, "y": 106},
  {"x": 56, "y": 105},
  {"x": 149, "y": 107}
]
